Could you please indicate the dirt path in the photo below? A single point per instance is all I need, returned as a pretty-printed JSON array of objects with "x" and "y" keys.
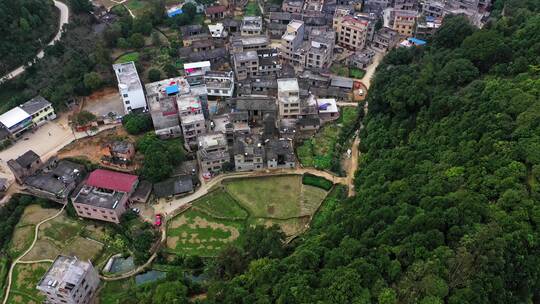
[{"x": 17, "y": 260}]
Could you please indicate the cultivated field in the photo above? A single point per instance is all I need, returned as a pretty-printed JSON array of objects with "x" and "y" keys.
[
  {"x": 25, "y": 279},
  {"x": 62, "y": 235},
  {"x": 196, "y": 233},
  {"x": 219, "y": 217}
]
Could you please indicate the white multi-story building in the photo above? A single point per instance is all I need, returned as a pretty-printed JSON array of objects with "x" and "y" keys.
[
  {"x": 288, "y": 98},
  {"x": 69, "y": 281},
  {"x": 219, "y": 83},
  {"x": 130, "y": 86}
]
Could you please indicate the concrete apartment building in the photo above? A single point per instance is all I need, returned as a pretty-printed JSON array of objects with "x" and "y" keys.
[
  {"x": 213, "y": 152},
  {"x": 320, "y": 49},
  {"x": 385, "y": 39},
  {"x": 241, "y": 44},
  {"x": 246, "y": 64},
  {"x": 292, "y": 6},
  {"x": 219, "y": 84},
  {"x": 404, "y": 22},
  {"x": 433, "y": 8},
  {"x": 248, "y": 153},
  {"x": 40, "y": 109},
  {"x": 130, "y": 86},
  {"x": 351, "y": 32},
  {"x": 192, "y": 120},
  {"x": 162, "y": 96},
  {"x": 251, "y": 25},
  {"x": 69, "y": 281},
  {"x": 288, "y": 99},
  {"x": 269, "y": 63},
  {"x": 104, "y": 195},
  {"x": 291, "y": 41}
]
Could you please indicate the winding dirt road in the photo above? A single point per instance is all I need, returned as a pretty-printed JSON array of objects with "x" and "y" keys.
[{"x": 64, "y": 19}]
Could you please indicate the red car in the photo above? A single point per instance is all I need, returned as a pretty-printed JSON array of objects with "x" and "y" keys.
[{"x": 158, "y": 220}]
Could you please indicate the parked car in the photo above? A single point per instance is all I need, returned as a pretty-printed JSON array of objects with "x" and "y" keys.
[
  {"x": 158, "y": 220},
  {"x": 136, "y": 210}
]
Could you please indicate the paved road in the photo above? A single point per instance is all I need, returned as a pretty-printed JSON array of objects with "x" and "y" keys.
[
  {"x": 17, "y": 260},
  {"x": 64, "y": 19}
]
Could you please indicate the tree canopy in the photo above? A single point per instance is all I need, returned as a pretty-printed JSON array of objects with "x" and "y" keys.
[{"x": 446, "y": 209}]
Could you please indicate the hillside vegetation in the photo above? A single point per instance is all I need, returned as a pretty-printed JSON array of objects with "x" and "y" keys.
[
  {"x": 447, "y": 207},
  {"x": 25, "y": 27}
]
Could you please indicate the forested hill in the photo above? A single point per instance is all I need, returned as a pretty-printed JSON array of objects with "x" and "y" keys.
[
  {"x": 25, "y": 27},
  {"x": 448, "y": 190}
]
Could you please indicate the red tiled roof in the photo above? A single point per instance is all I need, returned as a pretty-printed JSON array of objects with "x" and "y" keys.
[
  {"x": 215, "y": 9},
  {"x": 112, "y": 180}
]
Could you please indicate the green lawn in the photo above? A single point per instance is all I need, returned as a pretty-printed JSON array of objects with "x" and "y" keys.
[
  {"x": 275, "y": 197},
  {"x": 25, "y": 279},
  {"x": 356, "y": 73},
  {"x": 252, "y": 9},
  {"x": 134, "y": 56},
  {"x": 220, "y": 204},
  {"x": 196, "y": 233}
]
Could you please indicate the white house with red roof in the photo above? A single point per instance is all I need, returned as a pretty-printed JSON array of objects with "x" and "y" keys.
[{"x": 105, "y": 195}]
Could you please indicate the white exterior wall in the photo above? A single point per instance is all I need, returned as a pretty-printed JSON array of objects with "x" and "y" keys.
[{"x": 133, "y": 99}]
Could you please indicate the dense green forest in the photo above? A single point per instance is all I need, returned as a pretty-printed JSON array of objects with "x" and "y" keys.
[
  {"x": 26, "y": 26},
  {"x": 447, "y": 207}
]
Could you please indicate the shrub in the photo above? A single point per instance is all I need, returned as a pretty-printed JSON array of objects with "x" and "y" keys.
[
  {"x": 316, "y": 181},
  {"x": 137, "y": 123}
]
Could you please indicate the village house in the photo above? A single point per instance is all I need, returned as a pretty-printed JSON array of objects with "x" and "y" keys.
[
  {"x": 212, "y": 153},
  {"x": 118, "y": 153},
  {"x": 69, "y": 280},
  {"x": 25, "y": 165},
  {"x": 162, "y": 97},
  {"x": 55, "y": 180},
  {"x": 105, "y": 195},
  {"x": 251, "y": 25},
  {"x": 40, "y": 109},
  {"x": 248, "y": 153},
  {"x": 130, "y": 87},
  {"x": 351, "y": 32},
  {"x": 280, "y": 154},
  {"x": 215, "y": 12},
  {"x": 174, "y": 186}
]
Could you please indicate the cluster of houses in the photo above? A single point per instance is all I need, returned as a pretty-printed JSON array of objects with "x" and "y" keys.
[{"x": 33, "y": 113}]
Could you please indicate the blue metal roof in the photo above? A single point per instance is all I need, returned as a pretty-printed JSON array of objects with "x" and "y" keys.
[
  {"x": 176, "y": 12},
  {"x": 417, "y": 41},
  {"x": 173, "y": 89}
]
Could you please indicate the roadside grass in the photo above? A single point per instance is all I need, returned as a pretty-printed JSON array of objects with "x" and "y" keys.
[
  {"x": 133, "y": 56},
  {"x": 137, "y": 7},
  {"x": 356, "y": 73},
  {"x": 276, "y": 197},
  {"x": 196, "y": 233},
  {"x": 220, "y": 204},
  {"x": 316, "y": 181},
  {"x": 24, "y": 282},
  {"x": 114, "y": 291}
]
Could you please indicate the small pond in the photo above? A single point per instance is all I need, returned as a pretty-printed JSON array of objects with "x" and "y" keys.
[
  {"x": 149, "y": 276},
  {"x": 121, "y": 265}
]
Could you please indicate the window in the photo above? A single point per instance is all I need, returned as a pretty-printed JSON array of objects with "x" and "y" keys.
[
  {"x": 127, "y": 102},
  {"x": 125, "y": 95}
]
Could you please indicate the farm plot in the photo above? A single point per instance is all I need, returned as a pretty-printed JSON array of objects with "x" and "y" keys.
[
  {"x": 25, "y": 279},
  {"x": 219, "y": 217},
  {"x": 275, "y": 196},
  {"x": 197, "y": 233},
  {"x": 62, "y": 235}
]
